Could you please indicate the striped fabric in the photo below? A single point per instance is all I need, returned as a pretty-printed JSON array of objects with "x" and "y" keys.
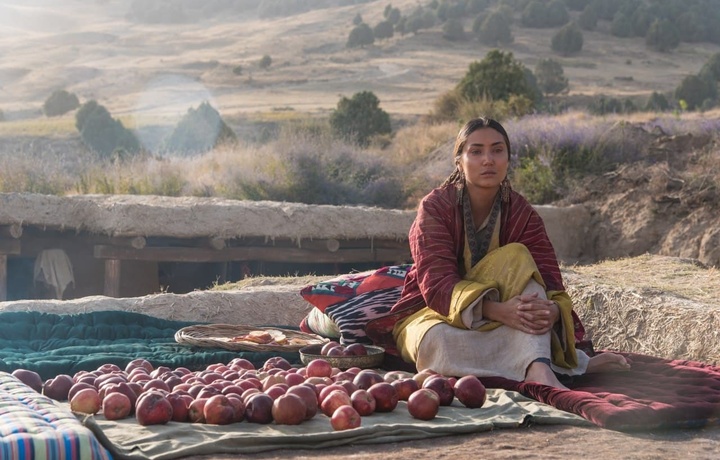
[{"x": 33, "y": 427}]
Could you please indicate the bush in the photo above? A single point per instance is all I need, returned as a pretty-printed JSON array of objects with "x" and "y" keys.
[
  {"x": 495, "y": 30},
  {"x": 712, "y": 67},
  {"x": 657, "y": 102},
  {"x": 392, "y": 14},
  {"x": 453, "y": 30},
  {"x": 662, "y": 36},
  {"x": 695, "y": 91},
  {"x": 383, "y": 30},
  {"x": 622, "y": 26},
  {"x": 237, "y": 70},
  {"x": 567, "y": 40},
  {"x": 104, "y": 135},
  {"x": 360, "y": 118},
  {"x": 603, "y": 105},
  {"x": 497, "y": 77},
  {"x": 200, "y": 130},
  {"x": 59, "y": 103},
  {"x": 360, "y": 36},
  {"x": 588, "y": 18},
  {"x": 550, "y": 76},
  {"x": 265, "y": 62}
]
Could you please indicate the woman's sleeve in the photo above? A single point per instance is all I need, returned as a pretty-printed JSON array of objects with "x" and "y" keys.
[{"x": 433, "y": 248}]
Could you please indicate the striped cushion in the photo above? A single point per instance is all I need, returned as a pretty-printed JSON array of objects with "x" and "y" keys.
[
  {"x": 353, "y": 315},
  {"x": 32, "y": 426}
]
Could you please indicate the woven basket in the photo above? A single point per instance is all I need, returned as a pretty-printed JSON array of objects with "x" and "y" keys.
[
  {"x": 374, "y": 358},
  {"x": 222, "y": 335}
]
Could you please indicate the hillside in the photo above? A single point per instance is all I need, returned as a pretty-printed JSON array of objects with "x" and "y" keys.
[{"x": 154, "y": 72}]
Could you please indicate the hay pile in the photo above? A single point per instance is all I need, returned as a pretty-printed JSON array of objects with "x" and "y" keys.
[{"x": 656, "y": 305}]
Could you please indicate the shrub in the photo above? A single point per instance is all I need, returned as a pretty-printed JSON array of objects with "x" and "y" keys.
[
  {"x": 695, "y": 90},
  {"x": 59, "y": 103},
  {"x": 392, "y": 14},
  {"x": 536, "y": 180},
  {"x": 535, "y": 15},
  {"x": 237, "y": 70},
  {"x": 662, "y": 36},
  {"x": 265, "y": 62},
  {"x": 588, "y": 18},
  {"x": 495, "y": 30},
  {"x": 497, "y": 77},
  {"x": 603, "y": 105},
  {"x": 383, "y": 30},
  {"x": 453, "y": 30},
  {"x": 622, "y": 26},
  {"x": 104, "y": 135},
  {"x": 712, "y": 67},
  {"x": 360, "y": 36},
  {"x": 557, "y": 13},
  {"x": 567, "y": 40},
  {"x": 357, "y": 20},
  {"x": 657, "y": 102},
  {"x": 200, "y": 130},
  {"x": 359, "y": 118},
  {"x": 550, "y": 76}
]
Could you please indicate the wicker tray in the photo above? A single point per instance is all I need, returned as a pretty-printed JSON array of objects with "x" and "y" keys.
[
  {"x": 374, "y": 357},
  {"x": 228, "y": 336}
]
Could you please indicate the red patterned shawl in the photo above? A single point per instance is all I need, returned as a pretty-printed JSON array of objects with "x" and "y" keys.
[{"x": 437, "y": 238}]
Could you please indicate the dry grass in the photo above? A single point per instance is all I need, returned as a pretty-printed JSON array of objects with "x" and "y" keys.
[{"x": 655, "y": 305}]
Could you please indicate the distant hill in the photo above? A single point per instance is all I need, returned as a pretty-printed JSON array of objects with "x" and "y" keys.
[{"x": 156, "y": 71}]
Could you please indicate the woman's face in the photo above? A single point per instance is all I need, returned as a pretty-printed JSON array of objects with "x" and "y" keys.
[{"x": 484, "y": 159}]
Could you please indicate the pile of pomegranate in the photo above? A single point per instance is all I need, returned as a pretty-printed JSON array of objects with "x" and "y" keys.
[{"x": 276, "y": 393}]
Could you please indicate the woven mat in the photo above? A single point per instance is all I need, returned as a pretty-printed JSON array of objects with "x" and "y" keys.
[{"x": 504, "y": 409}]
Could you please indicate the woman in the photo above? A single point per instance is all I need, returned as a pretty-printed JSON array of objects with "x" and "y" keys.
[{"x": 485, "y": 296}]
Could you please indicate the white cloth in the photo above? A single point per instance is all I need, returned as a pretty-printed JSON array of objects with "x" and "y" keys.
[
  {"x": 502, "y": 352},
  {"x": 53, "y": 267}
]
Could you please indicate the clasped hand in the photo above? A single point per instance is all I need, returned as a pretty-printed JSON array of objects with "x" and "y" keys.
[{"x": 531, "y": 314}]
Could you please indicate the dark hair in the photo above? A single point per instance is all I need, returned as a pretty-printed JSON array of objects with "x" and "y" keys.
[{"x": 462, "y": 137}]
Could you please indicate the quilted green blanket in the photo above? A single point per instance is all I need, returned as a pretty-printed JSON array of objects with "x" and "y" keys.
[{"x": 51, "y": 344}]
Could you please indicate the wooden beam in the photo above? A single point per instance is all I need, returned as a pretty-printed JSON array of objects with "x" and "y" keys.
[
  {"x": 3, "y": 278},
  {"x": 9, "y": 246},
  {"x": 137, "y": 242},
  {"x": 11, "y": 231},
  {"x": 112, "y": 277},
  {"x": 266, "y": 254}
]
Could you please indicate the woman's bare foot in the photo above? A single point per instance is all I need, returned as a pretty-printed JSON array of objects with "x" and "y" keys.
[
  {"x": 541, "y": 373},
  {"x": 607, "y": 362}
]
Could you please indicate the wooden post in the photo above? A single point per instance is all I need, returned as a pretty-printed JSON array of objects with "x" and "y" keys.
[
  {"x": 3, "y": 277},
  {"x": 112, "y": 277}
]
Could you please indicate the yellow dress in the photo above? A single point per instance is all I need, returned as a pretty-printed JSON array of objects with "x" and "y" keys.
[{"x": 463, "y": 342}]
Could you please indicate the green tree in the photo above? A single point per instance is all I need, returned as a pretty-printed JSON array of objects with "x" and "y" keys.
[
  {"x": 360, "y": 36},
  {"x": 535, "y": 15},
  {"x": 265, "y": 62},
  {"x": 557, "y": 13},
  {"x": 357, "y": 20},
  {"x": 550, "y": 76},
  {"x": 360, "y": 118},
  {"x": 383, "y": 30},
  {"x": 200, "y": 130},
  {"x": 622, "y": 26},
  {"x": 657, "y": 102},
  {"x": 59, "y": 103},
  {"x": 392, "y": 14},
  {"x": 712, "y": 67},
  {"x": 662, "y": 36},
  {"x": 101, "y": 133},
  {"x": 588, "y": 19},
  {"x": 495, "y": 30},
  {"x": 453, "y": 30},
  {"x": 568, "y": 40},
  {"x": 695, "y": 91},
  {"x": 497, "y": 77}
]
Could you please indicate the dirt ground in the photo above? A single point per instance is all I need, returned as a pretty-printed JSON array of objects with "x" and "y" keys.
[{"x": 543, "y": 442}]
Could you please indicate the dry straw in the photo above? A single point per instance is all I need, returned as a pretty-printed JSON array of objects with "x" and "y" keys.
[{"x": 654, "y": 305}]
